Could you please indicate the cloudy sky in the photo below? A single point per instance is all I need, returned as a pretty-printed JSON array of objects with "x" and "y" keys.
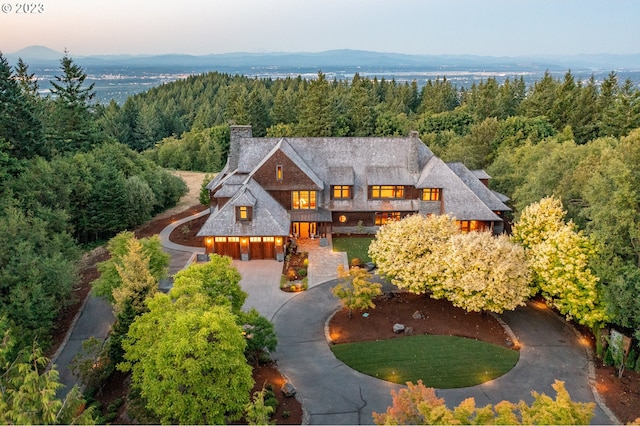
[{"x": 478, "y": 27}]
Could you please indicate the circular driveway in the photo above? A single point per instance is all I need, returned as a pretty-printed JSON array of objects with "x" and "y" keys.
[{"x": 333, "y": 393}]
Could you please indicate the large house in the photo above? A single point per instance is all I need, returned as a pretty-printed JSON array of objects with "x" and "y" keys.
[{"x": 272, "y": 189}]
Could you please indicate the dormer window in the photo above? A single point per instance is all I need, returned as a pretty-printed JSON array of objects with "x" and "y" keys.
[
  {"x": 279, "y": 173},
  {"x": 386, "y": 192},
  {"x": 243, "y": 213},
  {"x": 341, "y": 192},
  {"x": 432, "y": 194}
]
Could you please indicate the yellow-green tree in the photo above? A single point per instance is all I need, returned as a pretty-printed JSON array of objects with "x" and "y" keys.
[
  {"x": 355, "y": 289},
  {"x": 484, "y": 273},
  {"x": 560, "y": 258},
  {"x": 28, "y": 393},
  {"x": 475, "y": 271},
  {"x": 409, "y": 252},
  {"x": 419, "y": 405},
  {"x": 137, "y": 281},
  {"x": 187, "y": 360},
  {"x": 118, "y": 247},
  {"x": 216, "y": 279}
]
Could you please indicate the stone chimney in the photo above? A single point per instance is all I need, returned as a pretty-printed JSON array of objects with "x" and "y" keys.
[
  {"x": 412, "y": 155},
  {"x": 237, "y": 132}
]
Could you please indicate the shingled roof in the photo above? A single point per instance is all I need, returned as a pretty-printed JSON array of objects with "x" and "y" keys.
[
  {"x": 269, "y": 218},
  {"x": 471, "y": 179},
  {"x": 459, "y": 200},
  {"x": 358, "y": 162}
]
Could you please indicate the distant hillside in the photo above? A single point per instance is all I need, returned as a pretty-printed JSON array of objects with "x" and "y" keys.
[
  {"x": 339, "y": 58},
  {"x": 35, "y": 54}
]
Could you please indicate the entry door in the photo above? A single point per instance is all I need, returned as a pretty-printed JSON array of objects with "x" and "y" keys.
[{"x": 303, "y": 229}]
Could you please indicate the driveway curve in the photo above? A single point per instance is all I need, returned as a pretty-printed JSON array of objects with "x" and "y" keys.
[{"x": 333, "y": 393}]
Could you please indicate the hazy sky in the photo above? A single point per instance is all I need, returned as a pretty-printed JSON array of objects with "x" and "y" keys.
[{"x": 480, "y": 27}]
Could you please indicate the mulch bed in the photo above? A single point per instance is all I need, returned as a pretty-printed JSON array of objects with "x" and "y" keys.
[{"x": 440, "y": 317}]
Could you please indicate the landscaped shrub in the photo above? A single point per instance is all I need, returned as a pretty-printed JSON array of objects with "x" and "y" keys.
[
  {"x": 284, "y": 282},
  {"x": 291, "y": 274},
  {"x": 302, "y": 272}
]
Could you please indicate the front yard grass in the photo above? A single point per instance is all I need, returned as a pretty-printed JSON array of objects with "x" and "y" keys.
[
  {"x": 442, "y": 362},
  {"x": 356, "y": 247}
]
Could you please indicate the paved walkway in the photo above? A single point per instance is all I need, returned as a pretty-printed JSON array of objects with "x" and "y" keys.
[
  {"x": 330, "y": 391},
  {"x": 96, "y": 317}
]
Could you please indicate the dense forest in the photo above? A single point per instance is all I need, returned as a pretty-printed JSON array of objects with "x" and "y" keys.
[
  {"x": 571, "y": 138},
  {"x": 65, "y": 185}
]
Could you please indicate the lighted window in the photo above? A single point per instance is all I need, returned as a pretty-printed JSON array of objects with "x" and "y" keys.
[
  {"x": 243, "y": 213},
  {"x": 234, "y": 239},
  {"x": 303, "y": 200},
  {"x": 431, "y": 194},
  {"x": 341, "y": 192},
  {"x": 470, "y": 225},
  {"x": 387, "y": 191},
  {"x": 255, "y": 239},
  {"x": 279, "y": 173},
  {"x": 268, "y": 239},
  {"x": 221, "y": 239},
  {"x": 383, "y": 218}
]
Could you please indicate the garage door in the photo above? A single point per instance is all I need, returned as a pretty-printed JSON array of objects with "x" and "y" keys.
[{"x": 228, "y": 246}]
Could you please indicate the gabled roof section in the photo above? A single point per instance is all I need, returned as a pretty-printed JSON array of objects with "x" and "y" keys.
[
  {"x": 284, "y": 147},
  {"x": 501, "y": 196},
  {"x": 472, "y": 181},
  {"x": 268, "y": 219},
  {"x": 244, "y": 199},
  {"x": 459, "y": 200},
  {"x": 288, "y": 150}
]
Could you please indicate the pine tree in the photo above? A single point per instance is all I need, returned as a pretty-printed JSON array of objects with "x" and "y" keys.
[
  {"x": 72, "y": 127},
  {"x": 20, "y": 124},
  {"x": 317, "y": 114}
]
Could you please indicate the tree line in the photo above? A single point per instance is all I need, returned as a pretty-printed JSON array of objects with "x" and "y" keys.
[{"x": 469, "y": 123}]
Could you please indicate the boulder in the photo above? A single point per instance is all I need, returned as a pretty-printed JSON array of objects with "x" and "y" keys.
[
  {"x": 288, "y": 390},
  {"x": 398, "y": 328},
  {"x": 388, "y": 295},
  {"x": 417, "y": 315},
  {"x": 408, "y": 331}
]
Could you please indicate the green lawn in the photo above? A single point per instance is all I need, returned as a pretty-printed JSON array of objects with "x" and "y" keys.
[
  {"x": 442, "y": 362},
  {"x": 354, "y": 246}
]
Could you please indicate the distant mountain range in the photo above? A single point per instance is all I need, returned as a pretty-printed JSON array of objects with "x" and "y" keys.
[
  {"x": 119, "y": 76},
  {"x": 41, "y": 55}
]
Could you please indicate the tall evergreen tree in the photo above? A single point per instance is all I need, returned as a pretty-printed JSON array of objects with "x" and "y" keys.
[
  {"x": 27, "y": 81},
  {"x": 317, "y": 113},
  {"x": 72, "y": 127},
  {"x": 438, "y": 96},
  {"x": 20, "y": 124},
  {"x": 361, "y": 107}
]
